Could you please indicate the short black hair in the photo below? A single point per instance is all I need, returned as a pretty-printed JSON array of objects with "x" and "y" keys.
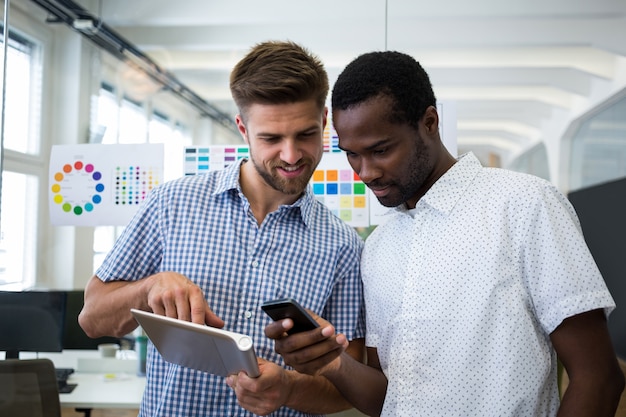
[{"x": 390, "y": 73}]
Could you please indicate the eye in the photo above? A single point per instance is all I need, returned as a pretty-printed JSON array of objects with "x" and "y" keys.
[
  {"x": 270, "y": 139},
  {"x": 307, "y": 135},
  {"x": 379, "y": 151}
]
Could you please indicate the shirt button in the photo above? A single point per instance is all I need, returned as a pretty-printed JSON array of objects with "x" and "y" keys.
[
  {"x": 247, "y": 314},
  {"x": 255, "y": 263}
]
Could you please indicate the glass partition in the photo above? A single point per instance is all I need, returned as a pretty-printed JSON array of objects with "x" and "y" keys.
[{"x": 598, "y": 145}]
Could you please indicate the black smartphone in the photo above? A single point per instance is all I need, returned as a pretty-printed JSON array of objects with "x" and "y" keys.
[{"x": 287, "y": 308}]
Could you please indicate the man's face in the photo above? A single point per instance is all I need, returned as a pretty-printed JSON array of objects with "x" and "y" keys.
[
  {"x": 393, "y": 160},
  {"x": 285, "y": 142}
]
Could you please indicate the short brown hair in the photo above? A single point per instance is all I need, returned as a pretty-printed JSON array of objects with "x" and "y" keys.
[{"x": 276, "y": 72}]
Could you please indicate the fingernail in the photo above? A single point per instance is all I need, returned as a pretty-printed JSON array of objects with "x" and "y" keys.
[{"x": 328, "y": 331}]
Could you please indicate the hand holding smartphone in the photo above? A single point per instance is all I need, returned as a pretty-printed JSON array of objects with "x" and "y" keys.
[{"x": 287, "y": 308}]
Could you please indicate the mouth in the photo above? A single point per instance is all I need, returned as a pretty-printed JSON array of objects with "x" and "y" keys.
[
  {"x": 379, "y": 191},
  {"x": 291, "y": 171}
]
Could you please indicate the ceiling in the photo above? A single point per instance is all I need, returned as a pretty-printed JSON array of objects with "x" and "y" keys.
[{"x": 518, "y": 72}]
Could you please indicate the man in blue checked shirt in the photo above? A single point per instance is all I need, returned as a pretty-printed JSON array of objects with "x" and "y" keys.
[{"x": 212, "y": 248}]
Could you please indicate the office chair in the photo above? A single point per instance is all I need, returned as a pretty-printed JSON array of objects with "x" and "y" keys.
[{"x": 28, "y": 388}]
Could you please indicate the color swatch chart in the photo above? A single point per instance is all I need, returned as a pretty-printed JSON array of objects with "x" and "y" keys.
[
  {"x": 334, "y": 183},
  {"x": 339, "y": 188},
  {"x": 134, "y": 182},
  {"x": 330, "y": 139},
  {"x": 94, "y": 184},
  {"x": 200, "y": 160}
]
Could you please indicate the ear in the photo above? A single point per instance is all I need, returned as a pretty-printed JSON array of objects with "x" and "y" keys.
[
  {"x": 325, "y": 119},
  {"x": 431, "y": 120},
  {"x": 242, "y": 128}
]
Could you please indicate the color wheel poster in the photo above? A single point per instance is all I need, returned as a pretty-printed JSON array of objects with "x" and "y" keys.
[{"x": 92, "y": 185}]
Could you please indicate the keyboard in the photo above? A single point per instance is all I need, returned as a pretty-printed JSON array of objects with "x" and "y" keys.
[{"x": 62, "y": 375}]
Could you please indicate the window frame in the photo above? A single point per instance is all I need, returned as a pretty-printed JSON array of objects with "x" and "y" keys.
[{"x": 29, "y": 161}]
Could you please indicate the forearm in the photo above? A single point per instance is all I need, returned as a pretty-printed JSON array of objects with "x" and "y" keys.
[
  {"x": 107, "y": 306},
  {"x": 314, "y": 394},
  {"x": 362, "y": 385},
  {"x": 591, "y": 398},
  {"x": 325, "y": 397},
  {"x": 583, "y": 344}
]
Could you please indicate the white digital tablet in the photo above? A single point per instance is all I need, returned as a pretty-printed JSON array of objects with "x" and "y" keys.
[{"x": 200, "y": 347}]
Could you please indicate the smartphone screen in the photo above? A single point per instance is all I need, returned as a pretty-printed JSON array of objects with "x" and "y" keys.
[{"x": 287, "y": 308}]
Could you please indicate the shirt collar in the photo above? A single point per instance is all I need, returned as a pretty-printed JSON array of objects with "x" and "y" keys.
[
  {"x": 230, "y": 178},
  {"x": 448, "y": 190},
  {"x": 230, "y": 181}
]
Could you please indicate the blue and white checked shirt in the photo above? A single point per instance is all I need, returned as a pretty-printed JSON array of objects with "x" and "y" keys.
[{"x": 202, "y": 227}]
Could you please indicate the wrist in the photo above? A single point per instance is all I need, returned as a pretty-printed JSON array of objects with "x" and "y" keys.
[
  {"x": 289, "y": 381},
  {"x": 335, "y": 368},
  {"x": 145, "y": 285}
]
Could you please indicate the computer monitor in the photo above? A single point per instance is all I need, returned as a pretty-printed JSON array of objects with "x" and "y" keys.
[
  {"x": 74, "y": 336},
  {"x": 31, "y": 321}
]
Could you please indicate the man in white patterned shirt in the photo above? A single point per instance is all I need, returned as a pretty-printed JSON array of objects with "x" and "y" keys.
[
  {"x": 212, "y": 248},
  {"x": 475, "y": 283}
]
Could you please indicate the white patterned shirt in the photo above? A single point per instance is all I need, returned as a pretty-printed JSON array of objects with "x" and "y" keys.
[
  {"x": 463, "y": 292},
  {"x": 202, "y": 227}
]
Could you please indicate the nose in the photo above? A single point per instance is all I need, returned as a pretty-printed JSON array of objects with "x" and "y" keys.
[
  {"x": 367, "y": 170},
  {"x": 290, "y": 152}
]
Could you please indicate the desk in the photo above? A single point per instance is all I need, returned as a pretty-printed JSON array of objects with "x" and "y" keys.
[
  {"x": 96, "y": 389},
  {"x": 93, "y": 391}
]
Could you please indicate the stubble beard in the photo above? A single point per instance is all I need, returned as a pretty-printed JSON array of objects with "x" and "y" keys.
[
  {"x": 295, "y": 186},
  {"x": 418, "y": 170}
]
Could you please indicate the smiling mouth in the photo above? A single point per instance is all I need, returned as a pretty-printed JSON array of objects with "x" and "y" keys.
[{"x": 291, "y": 171}]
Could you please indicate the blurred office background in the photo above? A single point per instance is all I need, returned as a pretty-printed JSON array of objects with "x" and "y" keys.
[{"x": 538, "y": 87}]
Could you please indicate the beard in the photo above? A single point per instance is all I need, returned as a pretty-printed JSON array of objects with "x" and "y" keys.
[
  {"x": 418, "y": 168},
  {"x": 288, "y": 186}
]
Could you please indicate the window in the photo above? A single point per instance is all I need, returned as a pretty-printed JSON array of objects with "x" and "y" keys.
[
  {"x": 20, "y": 134},
  {"x": 106, "y": 116},
  {"x": 534, "y": 161},
  {"x": 159, "y": 128},
  {"x": 174, "y": 139},
  {"x": 128, "y": 122},
  {"x": 133, "y": 126},
  {"x": 22, "y": 172},
  {"x": 598, "y": 146},
  {"x": 17, "y": 246},
  {"x": 103, "y": 239}
]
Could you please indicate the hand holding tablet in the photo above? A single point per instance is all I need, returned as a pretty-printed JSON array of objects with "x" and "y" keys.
[
  {"x": 199, "y": 347},
  {"x": 214, "y": 350}
]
